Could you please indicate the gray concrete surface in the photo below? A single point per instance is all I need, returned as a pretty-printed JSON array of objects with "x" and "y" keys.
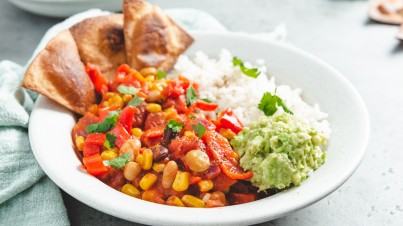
[{"x": 337, "y": 31}]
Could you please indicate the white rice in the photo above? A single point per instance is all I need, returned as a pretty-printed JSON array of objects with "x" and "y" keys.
[{"x": 225, "y": 84}]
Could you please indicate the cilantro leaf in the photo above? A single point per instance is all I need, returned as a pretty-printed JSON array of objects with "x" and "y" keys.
[
  {"x": 120, "y": 161},
  {"x": 191, "y": 95},
  {"x": 135, "y": 101},
  {"x": 199, "y": 129},
  {"x": 191, "y": 116},
  {"x": 174, "y": 126},
  {"x": 269, "y": 104},
  {"x": 128, "y": 90},
  {"x": 104, "y": 126},
  {"x": 161, "y": 74},
  {"x": 251, "y": 72},
  {"x": 110, "y": 140},
  {"x": 206, "y": 100}
]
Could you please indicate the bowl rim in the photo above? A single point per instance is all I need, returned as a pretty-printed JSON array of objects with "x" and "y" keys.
[{"x": 230, "y": 214}]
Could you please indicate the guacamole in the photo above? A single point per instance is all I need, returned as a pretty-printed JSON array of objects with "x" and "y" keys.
[{"x": 281, "y": 150}]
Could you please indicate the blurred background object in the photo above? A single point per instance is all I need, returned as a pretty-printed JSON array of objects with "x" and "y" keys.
[
  {"x": 387, "y": 11},
  {"x": 65, "y": 8}
]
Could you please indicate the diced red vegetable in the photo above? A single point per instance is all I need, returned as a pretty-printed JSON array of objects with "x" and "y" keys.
[
  {"x": 96, "y": 139},
  {"x": 90, "y": 149},
  {"x": 94, "y": 165},
  {"x": 211, "y": 203},
  {"x": 103, "y": 112},
  {"x": 80, "y": 128},
  {"x": 121, "y": 134},
  {"x": 100, "y": 82},
  {"x": 222, "y": 151},
  {"x": 223, "y": 182},
  {"x": 154, "y": 120},
  {"x": 121, "y": 72},
  {"x": 205, "y": 106},
  {"x": 152, "y": 136},
  {"x": 228, "y": 120},
  {"x": 194, "y": 179},
  {"x": 125, "y": 118},
  {"x": 238, "y": 198}
]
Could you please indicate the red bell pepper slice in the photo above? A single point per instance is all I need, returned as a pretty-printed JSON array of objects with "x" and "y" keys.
[
  {"x": 100, "y": 82},
  {"x": 90, "y": 149},
  {"x": 121, "y": 134},
  {"x": 227, "y": 160},
  {"x": 228, "y": 120},
  {"x": 121, "y": 72},
  {"x": 103, "y": 112},
  {"x": 126, "y": 117},
  {"x": 194, "y": 179},
  {"x": 96, "y": 139},
  {"x": 94, "y": 165},
  {"x": 205, "y": 106}
]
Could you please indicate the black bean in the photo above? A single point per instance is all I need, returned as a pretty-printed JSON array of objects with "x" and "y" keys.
[{"x": 159, "y": 152}]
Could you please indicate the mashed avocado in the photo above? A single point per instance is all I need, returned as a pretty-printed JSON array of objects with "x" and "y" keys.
[{"x": 280, "y": 150}]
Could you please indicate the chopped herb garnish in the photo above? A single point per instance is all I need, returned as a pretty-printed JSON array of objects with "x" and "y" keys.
[
  {"x": 206, "y": 100},
  {"x": 135, "y": 101},
  {"x": 104, "y": 126},
  {"x": 174, "y": 126},
  {"x": 120, "y": 161},
  {"x": 191, "y": 116},
  {"x": 251, "y": 72},
  {"x": 199, "y": 129},
  {"x": 161, "y": 74},
  {"x": 269, "y": 104},
  {"x": 128, "y": 90},
  {"x": 191, "y": 95},
  {"x": 110, "y": 140}
]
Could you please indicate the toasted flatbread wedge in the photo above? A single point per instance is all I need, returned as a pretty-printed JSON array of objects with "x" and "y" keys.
[
  {"x": 100, "y": 41},
  {"x": 58, "y": 73},
  {"x": 151, "y": 37}
]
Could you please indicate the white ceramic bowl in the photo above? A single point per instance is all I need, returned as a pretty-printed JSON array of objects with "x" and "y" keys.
[
  {"x": 66, "y": 8},
  {"x": 51, "y": 124}
]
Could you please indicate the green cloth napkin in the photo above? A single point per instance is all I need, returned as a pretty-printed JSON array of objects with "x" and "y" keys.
[{"x": 27, "y": 196}]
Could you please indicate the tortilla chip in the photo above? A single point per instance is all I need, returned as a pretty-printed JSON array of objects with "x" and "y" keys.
[
  {"x": 58, "y": 73},
  {"x": 151, "y": 37},
  {"x": 100, "y": 41}
]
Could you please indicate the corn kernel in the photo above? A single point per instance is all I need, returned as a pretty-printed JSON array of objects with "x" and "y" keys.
[
  {"x": 189, "y": 134},
  {"x": 105, "y": 104},
  {"x": 192, "y": 201},
  {"x": 148, "y": 181},
  {"x": 139, "y": 159},
  {"x": 147, "y": 162},
  {"x": 150, "y": 78},
  {"x": 137, "y": 132},
  {"x": 116, "y": 100},
  {"x": 129, "y": 189},
  {"x": 150, "y": 195},
  {"x": 80, "y": 143},
  {"x": 108, "y": 155},
  {"x": 115, "y": 149},
  {"x": 227, "y": 133},
  {"x": 109, "y": 95},
  {"x": 205, "y": 185},
  {"x": 126, "y": 98},
  {"x": 174, "y": 201},
  {"x": 181, "y": 182},
  {"x": 158, "y": 167},
  {"x": 153, "y": 108},
  {"x": 157, "y": 87}
]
